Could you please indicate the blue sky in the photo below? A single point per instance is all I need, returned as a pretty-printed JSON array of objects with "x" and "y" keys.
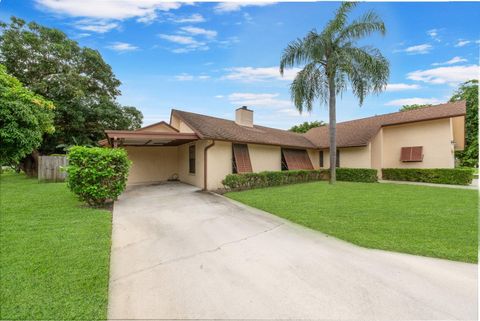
[{"x": 213, "y": 57}]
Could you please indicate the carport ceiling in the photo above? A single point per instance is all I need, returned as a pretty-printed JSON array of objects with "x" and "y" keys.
[{"x": 148, "y": 138}]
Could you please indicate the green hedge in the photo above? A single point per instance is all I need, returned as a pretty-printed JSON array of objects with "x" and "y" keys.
[
  {"x": 97, "y": 175},
  {"x": 366, "y": 175},
  {"x": 454, "y": 176},
  {"x": 266, "y": 179}
]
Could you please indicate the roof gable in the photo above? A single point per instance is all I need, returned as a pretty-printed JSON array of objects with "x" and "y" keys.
[
  {"x": 159, "y": 127},
  {"x": 360, "y": 132},
  {"x": 207, "y": 127}
]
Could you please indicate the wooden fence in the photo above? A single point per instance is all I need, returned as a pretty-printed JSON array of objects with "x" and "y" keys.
[{"x": 50, "y": 168}]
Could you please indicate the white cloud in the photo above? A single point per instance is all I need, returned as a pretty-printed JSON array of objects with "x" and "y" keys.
[
  {"x": 236, "y": 6},
  {"x": 401, "y": 86},
  {"x": 443, "y": 75},
  {"x": 108, "y": 9},
  {"x": 194, "y": 18},
  {"x": 122, "y": 47},
  {"x": 454, "y": 60},
  {"x": 183, "y": 40},
  {"x": 184, "y": 77},
  {"x": 259, "y": 100},
  {"x": 413, "y": 101},
  {"x": 199, "y": 31},
  {"x": 433, "y": 33},
  {"x": 462, "y": 43},
  {"x": 252, "y": 74},
  {"x": 187, "y": 43},
  {"x": 419, "y": 49},
  {"x": 188, "y": 77},
  {"x": 94, "y": 25},
  {"x": 219, "y": 96}
]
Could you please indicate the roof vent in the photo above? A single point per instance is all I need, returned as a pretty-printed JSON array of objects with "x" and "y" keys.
[{"x": 244, "y": 116}]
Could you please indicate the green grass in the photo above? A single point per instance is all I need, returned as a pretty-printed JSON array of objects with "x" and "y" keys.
[
  {"x": 421, "y": 220},
  {"x": 54, "y": 259}
]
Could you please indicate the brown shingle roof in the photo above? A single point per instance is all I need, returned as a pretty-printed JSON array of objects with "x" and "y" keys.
[
  {"x": 207, "y": 127},
  {"x": 359, "y": 132}
]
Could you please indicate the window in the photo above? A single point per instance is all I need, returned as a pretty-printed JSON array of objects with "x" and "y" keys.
[
  {"x": 294, "y": 159},
  {"x": 321, "y": 158},
  {"x": 337, "y": 163},
  {"x": 411, "y": 154},
  {"x": 241, "y": 159},
  {"x": 191, "y": 159}
]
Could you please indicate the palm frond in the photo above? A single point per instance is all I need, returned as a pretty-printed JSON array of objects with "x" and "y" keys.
[
  {"x": 309, "y": 85},
  {"x": 338, "y": 22},
  {"x": 367, "y": 69},
  {"x": 367, "y": 24}
]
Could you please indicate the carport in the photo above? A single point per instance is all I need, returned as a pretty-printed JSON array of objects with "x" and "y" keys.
[{"x": 156, "y": 155}]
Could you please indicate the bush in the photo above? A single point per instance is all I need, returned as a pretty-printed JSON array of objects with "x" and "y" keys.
[
  {"x": 454, "y": 176},
  {"x": 366, "y": 175},
  {"x": 266, "y": 179},
  {"x": 97, "y": 175}
]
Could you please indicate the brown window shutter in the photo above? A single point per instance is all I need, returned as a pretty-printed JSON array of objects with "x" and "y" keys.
[
  {"x": 242, "y": 158},
  {"x": 417, "y": 154},
  {"x": 297, "y": 159},
  {"x": 321, "y": 158},
  {"x": 405, "y": 154},
  {"x": 411, "y": 154}
]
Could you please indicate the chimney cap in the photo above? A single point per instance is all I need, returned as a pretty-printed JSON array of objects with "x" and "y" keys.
[{"x": 244, "y": 108}]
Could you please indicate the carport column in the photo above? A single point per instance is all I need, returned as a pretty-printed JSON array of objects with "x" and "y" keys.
[{"x": 205, "y": 164}]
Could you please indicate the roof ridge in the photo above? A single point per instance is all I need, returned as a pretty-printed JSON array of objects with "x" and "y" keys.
[
  {"x": 405, "y": 111},
  {"x": 232, "y": 121}
]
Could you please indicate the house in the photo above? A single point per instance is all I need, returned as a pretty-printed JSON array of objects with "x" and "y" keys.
[{"x": 201, "y": 150}]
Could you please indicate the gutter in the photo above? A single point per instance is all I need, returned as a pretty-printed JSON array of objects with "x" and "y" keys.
[{"x": 205, "y": 163}]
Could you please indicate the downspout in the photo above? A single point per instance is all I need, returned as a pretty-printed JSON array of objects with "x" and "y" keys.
[{"x": 205, "y": 163}]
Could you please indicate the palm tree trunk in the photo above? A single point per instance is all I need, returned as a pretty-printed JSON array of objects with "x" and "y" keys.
[{"x": 332, "y": 128}]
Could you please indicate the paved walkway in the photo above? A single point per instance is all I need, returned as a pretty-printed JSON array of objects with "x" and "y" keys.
[
  {"x": 179, "y": 253},
  {"x": 474, "y": 184}
]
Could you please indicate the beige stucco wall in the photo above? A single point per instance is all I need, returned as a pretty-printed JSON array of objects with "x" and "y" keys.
[
  {"x": 435, "y": 136},
  {"x": 219, "y": 164},
  {"x": 314, "y": 155},
  {"x": 376, "y": 151},
  {"x": 265, "y": 157},
  {"x": 458, "y": 127},
  {"x": 352, "y": 157},
  {"x": 162, "y": 127},
  {"x": 183, "y": 170},
  {"x": 178, "y": 124},
  {"x": 151, "y": 164}
]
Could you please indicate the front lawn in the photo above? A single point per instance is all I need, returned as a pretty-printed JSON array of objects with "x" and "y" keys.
[
  {"x": 54, "y": 259},
  {"x": 421, "y": 220}
]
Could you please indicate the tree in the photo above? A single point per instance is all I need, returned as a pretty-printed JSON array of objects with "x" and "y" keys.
[
  {"x": 414, "y": 106},
  {"x": 306, "y": 126},
  {"x": 24, "y": 118},
  {"x": 468, "y": 91},
  {"x": 77, "y": 79},
  {"x": 331, "y": 59}
]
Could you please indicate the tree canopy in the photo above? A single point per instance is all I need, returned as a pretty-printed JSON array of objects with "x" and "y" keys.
[
  {"x": 332, "y": 60},
  {"x": 77, "y": 79},
  {"x": 24, "y": 118},
  {"x": 306, "y": 126},
  {"x": 414, "y": 106},
  {"x": 468, "y": 91}
]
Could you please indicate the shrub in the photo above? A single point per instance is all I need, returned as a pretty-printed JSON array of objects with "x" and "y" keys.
[
  {"x": 454, "y": 176},
  {"x": 266, "y": 179},
  {"x": 97, "y": 175},
  {"x": 366, "y": 175}
]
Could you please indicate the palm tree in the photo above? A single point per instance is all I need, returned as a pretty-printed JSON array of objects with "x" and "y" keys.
[{"x": 331, "y": 59}]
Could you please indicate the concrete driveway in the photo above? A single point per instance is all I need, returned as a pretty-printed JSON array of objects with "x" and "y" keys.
[{"x": 179, "y": 253}]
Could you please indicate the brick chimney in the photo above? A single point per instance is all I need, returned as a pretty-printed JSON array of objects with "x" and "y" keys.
[{"x": 244, "y": 116}]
